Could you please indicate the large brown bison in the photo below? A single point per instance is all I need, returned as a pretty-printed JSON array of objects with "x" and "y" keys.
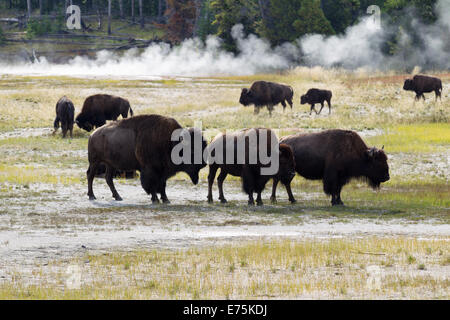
[
  {"x": 335, "y": 157},
  {"x": 263, "y": 93},
  {"x": 142, "y": 143},
  {"x": 101, "y": 107},
  {"x": 314, "y": 96},
  {"x": 241, "y": 163},
  {"x": 65, "y": 112},
  {"x": 420, "y": 84}
]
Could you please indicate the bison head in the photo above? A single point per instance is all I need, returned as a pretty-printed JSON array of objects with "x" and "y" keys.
[
  {"x": 408, "y": 85},
  {"x": 83, "y": 123},
  {"x": 287, "y": 164},
  {"x": 377, "y": 170},
  {"x": 191, "y": 148},
  {"x": 246, "y": 98},
  {"x": 304, "y": 99}
]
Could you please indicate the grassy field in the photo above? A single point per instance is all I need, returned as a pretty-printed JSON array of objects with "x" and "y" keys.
[
  {"x": 38, "y": 173},
  {"x": 360, "y": 268}
]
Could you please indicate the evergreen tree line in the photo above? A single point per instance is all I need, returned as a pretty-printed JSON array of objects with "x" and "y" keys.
[{"x": 278, "y": 21}]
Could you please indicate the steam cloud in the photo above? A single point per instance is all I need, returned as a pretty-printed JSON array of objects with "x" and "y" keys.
[{"x": 360, "y": 46}]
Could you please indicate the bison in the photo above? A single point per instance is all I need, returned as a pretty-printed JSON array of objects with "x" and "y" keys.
[
  {"x": 142, "y": 143},
  {"x": 101, "y": 107},
  {"x": 263, "y": 93},
  {"x": 65, "y": 112},
  {"x": 253, "y": 178},
  {"x": 314, "y": 96},
  {"x": 420, "y": 84},
  {"x": 335, "y": 157}
]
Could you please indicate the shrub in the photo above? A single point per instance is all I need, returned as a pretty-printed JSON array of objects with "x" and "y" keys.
[{"x": 37, "y": 27}]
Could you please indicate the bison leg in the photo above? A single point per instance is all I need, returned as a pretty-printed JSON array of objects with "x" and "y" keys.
[
  {"x": 109, "y": 180},
  {"x": 312, "y": 108},
  {"x": 55, "y": 125},
  {"x": 220, "y": 179},
  {"x": 273, "y": 197},
  {"x": 284, "y": 105},
  {"x": 211, "y": 177},
  {"x": 248, "y": 184},
  {"x": 148, "y": 181},
  {"x": 329, "y": 106},
  {"x": 256, "y": 110},
  {"x": 259, "y": 200},
  {"x": 90, "y": 177},
  {"x": 290, "y": 102},
  {"x": 64, "y": 129},
  {"x": 71, "y": 130},
  {"x": 162, "y": 191},
  {"x": 270, "y": 108},
  {"x": 322, "y": 104},
  {"x": 289, "y": 192},
  {"x": 438, "y": 94}
]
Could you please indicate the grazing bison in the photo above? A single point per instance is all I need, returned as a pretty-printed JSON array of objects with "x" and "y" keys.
[
  {"x": 142, "y": 143},
  {"x": 263, "y": 93},
  {"x": 420, "y": 84},
  {"x": 101, "y": 107},
  {"x": 314, "y": 96},
  {"x": 65, "y": 112},
  {"x": 237, "y": 145},
  {"x": 335, "y": 157}
]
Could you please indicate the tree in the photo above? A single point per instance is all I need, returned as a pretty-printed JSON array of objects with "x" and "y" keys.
[
  {"x": 141, "y": 14},
  {"x": 341, "y": 13},
  {"x": 311, "y": 19},
  {"x": 28, "y": 8},
  {"x": 109, "y": 16},
  {"x": 181, "y": 15},
  {"x": 228, "y": 13}
]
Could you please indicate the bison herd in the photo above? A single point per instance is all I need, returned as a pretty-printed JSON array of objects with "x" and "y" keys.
[{"x": 146, "y": 143}]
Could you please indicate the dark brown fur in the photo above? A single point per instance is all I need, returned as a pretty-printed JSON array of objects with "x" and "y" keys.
[
  {"x": 314, "y": 96},
  {"x": 65, "y": 112},
  {"x": 263, "y": 93},
  {"x": 139, "y": 143},
  {"x": 420, "y": 84},
  {"x": 101, "y": 107},
  {"x": 252, "y": 179},
  {"x": 335, "y": 157}
]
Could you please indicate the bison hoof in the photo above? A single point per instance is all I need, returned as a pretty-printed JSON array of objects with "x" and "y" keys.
[
  {"x": 223, "y": 200},
  {"x": 273, "y": 200},
  {"x": 92, "y": 198},
  {"x": 251, "y": 203},
  {"x": 259, "y": 203},
  {"x": 155, "y": 201},
  {"x": 340, "y": 203},
  {"x": 166, "y": 201},
  {"x": 118, "y": 198},
  {"x": 292, "y": 200},
  {"x": 210, "y": 200}
]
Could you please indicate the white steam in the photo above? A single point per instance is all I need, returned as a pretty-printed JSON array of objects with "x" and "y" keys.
[
  {"x": 360, "y": 46},
  {"x": 191, "y": 58}
]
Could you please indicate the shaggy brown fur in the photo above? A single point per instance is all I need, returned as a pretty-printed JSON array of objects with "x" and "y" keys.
[
  {"x": 101, "y": 107},
  {"x": 139, "y": 143},
  {"x": 252, "y": 179},
  {"x": 263, "y": 93},
  {"x": 420, "y": 84},
  {"x": 335, "y": 157},
  {"x": 65, "y": 112}
]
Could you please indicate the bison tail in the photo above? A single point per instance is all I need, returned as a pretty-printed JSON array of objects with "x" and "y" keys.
[{"x": 131, "y": 112}]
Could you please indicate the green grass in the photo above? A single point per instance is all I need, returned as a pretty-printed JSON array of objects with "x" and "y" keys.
[
  {"x": 414, "y": 138},
  {"x": 337, "y": 268}
]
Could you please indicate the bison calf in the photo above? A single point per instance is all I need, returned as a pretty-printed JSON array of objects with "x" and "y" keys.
[
  {"x": 314, "y": 96},
  {"x": 335, "y": 157},
  {"x": 420, "y": 84},
  {"x": 142, "y": 143},
  {"x": 65, "y": 112},
  {"x": 232, "y": 153},
  {"x": 101, "y": 107},
  {"x": 263, "y": 93}
]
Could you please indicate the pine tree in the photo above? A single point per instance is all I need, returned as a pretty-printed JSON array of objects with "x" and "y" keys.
[
  {"x": 228, "y": 13},
  {"x": 311, "y": 19}
]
